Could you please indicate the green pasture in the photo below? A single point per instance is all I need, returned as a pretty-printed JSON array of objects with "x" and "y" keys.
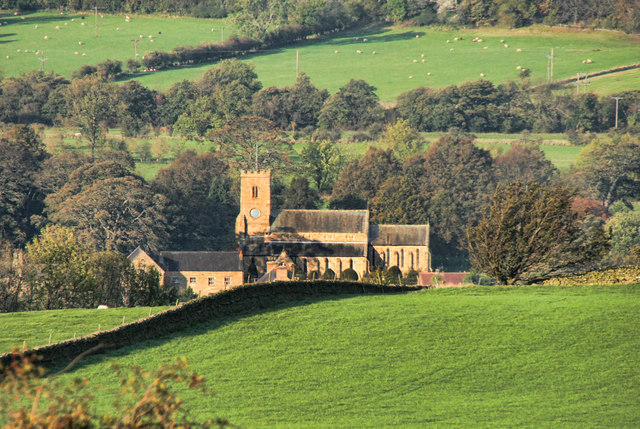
[
  {"x": 628, "y": 80},
  {"x": 35, "y": 327},
  {"x": 457, "y": 357},
  {"x": 392, "y": 69},
  {"x": 396, "y": 67},
  {"x": 114, "y": 41}
]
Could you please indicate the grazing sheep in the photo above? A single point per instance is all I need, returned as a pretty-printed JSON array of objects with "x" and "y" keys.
[
  {"x": 451, "y": 50},
  {"x": 410, "y": 77},
  {"x": 75, "y": 53},
  {"x": 84, "y": 55},
  {"x": 57, "y": 27},
  {"x": 151, "y": 40},
  {"x": 481, "y": 74},
  {"x": 422, "y": 56},
  {"x": 374, "y": 52},
  {"x": 423, "y": 61},
  {"x": 429, "y": 74},
  {"x": 46, "y": 37},
  {"x": 448, "y": 41},
  {"x": 506, "y": 46},
  {"x": 73, "y": 19},
  {"x": 588, "y": 61},
  {"x": 415, "y": 61},
  {"x": 518, "y": 50},
  {"x": 117, "y": 28},
  {"x": 358, "y": 52},
  {"x": 7, "y": 56},
  {"x": 36, "y": 26},
  {"x": 335, "y": 52},
  {"x": 455, "y": 39},
  {"x": 479, "y": 40},
  {"x": 365, "y": 40},
  {"x": 82, "y": 24},
  {"x": 501, "y": 41},
  {"x": 518, "y": 68},
  {"x": 486, "y": 47},
  {"x": 102, "y": 307},
  {"x": 66, "y": 23},
  {"x": 417, "y": 36},
  {"x": 79, "y": 43}
]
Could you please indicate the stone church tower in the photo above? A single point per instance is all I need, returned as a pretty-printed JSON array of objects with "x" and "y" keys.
[{"x": 255, "y": 203}]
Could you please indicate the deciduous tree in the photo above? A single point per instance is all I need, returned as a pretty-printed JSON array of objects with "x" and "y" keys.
[
  {"x": 530, "y": 234},
  {"x": 321, "y": 162}
]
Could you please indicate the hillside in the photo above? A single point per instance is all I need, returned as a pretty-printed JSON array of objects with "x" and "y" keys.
[
  {"x": 499, "y": 357},
  {"x": 404, "y": 56}
]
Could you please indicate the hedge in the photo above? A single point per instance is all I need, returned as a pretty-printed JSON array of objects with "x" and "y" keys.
[
  {"x": 605, "y": 276},
  {"x": 240, "y": 300}
]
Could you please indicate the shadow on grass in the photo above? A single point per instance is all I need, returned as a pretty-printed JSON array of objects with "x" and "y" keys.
[
  {"x": 372, "y": 38},
  {"x": 10, "y": 19},
  {"x": 198, "y": 329},
  {"x": 8, "y": 35}
]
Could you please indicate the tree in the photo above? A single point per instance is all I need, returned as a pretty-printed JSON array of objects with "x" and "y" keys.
[
  {"x": 530, "y": 234},
  {"x": 625, "y": 236},
  {"x": 62, "y": 279},
  {"x": 92, "y": 107},
  {"x": 354, "y": 106},
  {"x": 360, "y": 180},
  {"x": 256, "y": 17},
  {"x": 321, "y": 161},
  {"x": 198, "y": 189},
  {"x": 21, "y": 157},
  {"x": 404, "y": 140},
  {"x": 115, "y": 214},
  {"x": 611, "y": 169},
  {"x": 174, "y": 102},
  {"x": 251, "y": 142},
  {"x": 137, "y": 107},
  {"x": 524, "y": 162},
  {"x": 300, "y": 196}
]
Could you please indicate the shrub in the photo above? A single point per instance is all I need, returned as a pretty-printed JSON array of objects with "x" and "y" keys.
[
  {"x": 349, "y": 275},
  {"x": 436, "y": 280}
]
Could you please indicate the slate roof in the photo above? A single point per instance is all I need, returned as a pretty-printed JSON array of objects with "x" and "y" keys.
[
  {"x": 340, "y": 221},
  {"x": 398, "y": 235},
  {"x": 305, "y": 248},
  {"x": 200, "y": 261}
]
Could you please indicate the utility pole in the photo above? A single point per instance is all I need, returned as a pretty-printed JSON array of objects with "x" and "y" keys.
[
  {"x": 222, "y": 34},
  {"x": 95, "y": 8},
  {"x": 550, "y": 67},
  {"x": 297, "y": 63},
  {"x": 135, "y": 46},
  {"x": 617, "y": 99},
  {"x": 43, "y": 59}
]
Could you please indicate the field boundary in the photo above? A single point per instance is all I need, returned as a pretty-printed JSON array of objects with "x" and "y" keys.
[
  {"x": 590, "y": 75},
  {"x": 237, "y": 301}
]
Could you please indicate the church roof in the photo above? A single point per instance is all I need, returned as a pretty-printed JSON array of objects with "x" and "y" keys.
[
  {"x": 296, "y": 249},
  {"x": 337, "y": 221},
  {"x": 398, "y": 235},
  {"x": 201, "y": 261}
]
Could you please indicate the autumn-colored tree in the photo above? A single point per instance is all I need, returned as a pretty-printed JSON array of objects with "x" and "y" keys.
[
  {"x": 530, "y": 234},
  {"x": 404, "y": 140},
  {"x": 251, "y": 142},
  {"x": 524, "y": 162}
]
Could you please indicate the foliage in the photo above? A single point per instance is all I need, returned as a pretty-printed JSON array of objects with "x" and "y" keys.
[
  {"x": 148, "y": 398},
  {"x": 321, "y": 161},
  {"x": 251, "y": 142},
  {"x": 197, "y": 187},
  {"x": 393, "y": 275},
  {"x": 530, "y": 234},
  {"x": 524, "y": 162},
  {"x": 404, "y": 140},
  {"x": 354, "y": 106},
  {"x": 602, "y": 276},
  {"x": 612, "y": 168},
  {"x": 300, "y": 196},
  {"x": 21, "y": 157},
  {"x": 624, "y": 228},
  {"x": 328, "y": 274},
  {"x": 360, "y": 179},
  {"x": 256, "y": 17},
  {"x": 24, "y": 98}
]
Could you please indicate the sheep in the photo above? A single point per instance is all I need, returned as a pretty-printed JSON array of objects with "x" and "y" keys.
[
  {"x": 102, "y": 307},
  {"x": 410, "y": 77},
  {"x": 479, "y": 40},
  {"x": 373, "y": 53},
  {"x": 82, "y": 24},
  {"x": 588, "y": 61},
  {"x": 365, "y": 40},
  {"x": 501, "y": 41},
  {"x": 423, "y": 61},
  {"x": 46, "y": 37},
  {"x": 66, "y": 24},
  {"x": 415, "y": 61},
  {"x": 78, "y": 135},
  {"x": 486, "y": 47},
  {"x": 506, "y": 46},
  {"x": 150, "y": 36},
  {"x": 75, "y": 53},
  {"x": 422, "y": 56},
  {"x": 84, "y": 55},
  {"x": 7, "y": 56},
  {"x": 358, "y": 52},
  {"x": 518, "y": 68},
  {"x": 451, "y": 50},
  {"x": 141, "y": 36},
  {"x": 335, "y": 52},
  {"x": 429, "y": 74},
  {"x": 151, "y": 40},
  {"x": 117, "y": 28},
  {"x": 518, "y": 50},
  {"x": 57, "y": 27},
  {"x": 448, "y": 41},
  {"x": 79, "y": 43},
  {"x": 417, "y": 36},
  {"x": 73, "y": 19},
  {"x": 481, "y": 74},
  {"x": 455, "y": 39},
  {"x": 36, "y": 26}
]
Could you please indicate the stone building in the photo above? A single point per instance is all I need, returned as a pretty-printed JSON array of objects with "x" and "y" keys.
[
  {"x": 318, "y": 240},
  {"x": 282, "y": 242},
  {"x": 204, "y": 272}
]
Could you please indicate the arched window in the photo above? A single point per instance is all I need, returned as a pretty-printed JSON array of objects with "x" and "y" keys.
[
  {"x": 339, "y": 266},
  {"x": 254, "y": 192},
  {"x": 351, "y": 263},
  {"x": 418, "y": 258},
  {"x": 326, "y": 263},
  {"x": 412, "y": 263},
  {"x": 397, "y": 255},
  {"x": 402, "y": 257},
  {"x": 388, "y": 257}
]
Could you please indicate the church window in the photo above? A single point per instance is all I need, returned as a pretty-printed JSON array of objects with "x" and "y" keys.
[
  {"x": 326, "y": 263},
  {"x": 227, "y": 281},
  {"x": 340, "y": 265},
  {"x": 402, "y": 257},
  {"x": 417, "y": 257},
  {"x": 351, "y": 263},
  {"x": 192, "y": 280},
  {"x": 388, "y": 258},
  {"x": 397, "y": 259},
  {"x": 412, "y": 263},
  {"x": 211, "y": 281},
  {"x": 254, "y": 191}
]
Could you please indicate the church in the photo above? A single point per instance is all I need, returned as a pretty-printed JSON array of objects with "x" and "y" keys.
[{"x": 281, "y": 243}]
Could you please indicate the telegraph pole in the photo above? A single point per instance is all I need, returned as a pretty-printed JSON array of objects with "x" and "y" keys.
[
  {"x": 297, "y": 63},
  {"x": 617, "y": 99},
  {"x": 135, "y": 46},
  {"x": 95, "y": 8},
  {"x": 43, "y": 59},
  {"x": 550, "y": 67}
]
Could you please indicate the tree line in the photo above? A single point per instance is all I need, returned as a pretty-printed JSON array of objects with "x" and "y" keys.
[{"x": 232, "y": 89}]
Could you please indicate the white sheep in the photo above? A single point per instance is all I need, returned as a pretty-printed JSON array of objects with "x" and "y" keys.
[
  {"x": 417, "y": 36},
  {"x": 451, "y": 50},
  {"x": 518, "y": 50},
  {"x": 46, "y": 37},
  {"x": 481, "y": 74},
  {"x": 36, "y": 26},
  {"x": 486, "y": 47},
  {"x": 335, "y": 52},
  {"x": 506, "y": 46},
  {"x": 57, "y": 27},
  {"x": 84, "y": 55},
  {"x": 588, "y": 61},
  {"x": 518, "y": 68},
  {"x": 82, "y": 24},
  {"x": 79, "y": 43},
  {"x": 429, "y": 74},
  {"x": 423, "y": 61},
  {"x": 422, "y": 56},
  {"x": 358, "y": 52},
  {"x": 365, "y": 40},
  {"x": 75, "y": 53},
  {"x": 373, "y": 53},
  {"x": 415, "y": 61},
  {"x": 410, "y": 77}
]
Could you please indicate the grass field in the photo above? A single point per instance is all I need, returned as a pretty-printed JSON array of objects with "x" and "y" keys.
[
  {"x": 36, "y": 326},
  {"x": 114, "y": 39},
  {"x": 392, "y": 69},
  {"x": 468, "y": 357},
  {"x": 628, "y": 80}
]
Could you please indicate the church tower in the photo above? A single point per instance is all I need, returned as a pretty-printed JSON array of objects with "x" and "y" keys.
[{"x": 255, "y": 203}]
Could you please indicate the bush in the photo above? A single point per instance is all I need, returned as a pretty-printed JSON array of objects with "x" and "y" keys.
[
  {"x": 326, "y": 134},
  {"x": 349, "y": 275},
  {"x": 477, "y": 278},
  {"x": 411, "y": 278}
]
